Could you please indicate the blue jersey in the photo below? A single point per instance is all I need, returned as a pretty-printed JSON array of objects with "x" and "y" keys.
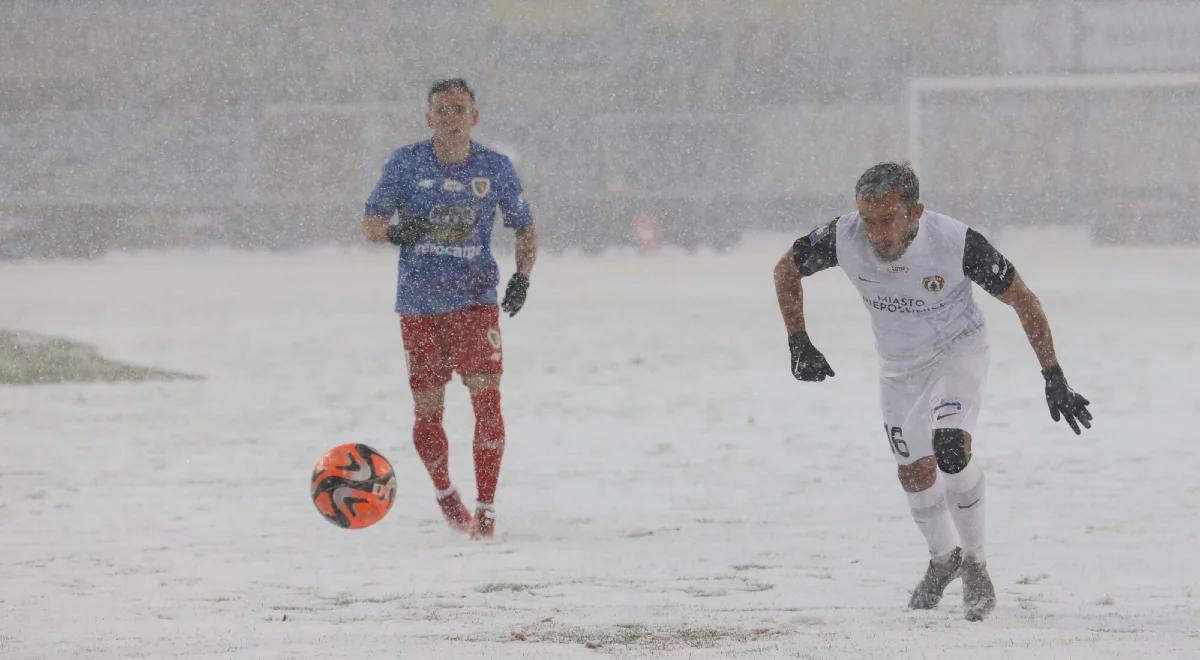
[{"x": 452, "y": 266}]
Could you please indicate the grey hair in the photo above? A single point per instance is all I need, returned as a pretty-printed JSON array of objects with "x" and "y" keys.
[{"x": 886, "y": 178}]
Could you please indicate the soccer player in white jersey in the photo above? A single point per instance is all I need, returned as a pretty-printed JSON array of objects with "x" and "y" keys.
[{"x": 914, "y": 268}]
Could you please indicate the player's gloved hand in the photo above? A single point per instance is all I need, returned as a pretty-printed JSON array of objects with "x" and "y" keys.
[
  {"x": 408, "y": 231},
  {"x": 807, "y": 362},
  {"x": 514, "y": 293},
  {"x": 1064, "y": 401}
]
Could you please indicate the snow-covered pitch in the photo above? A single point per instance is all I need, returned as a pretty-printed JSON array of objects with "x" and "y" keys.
[{"x": 668, "y": 488}]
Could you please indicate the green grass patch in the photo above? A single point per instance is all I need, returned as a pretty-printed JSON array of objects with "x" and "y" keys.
[
  {"x": 639, "y": 636},
  {"x": 28, "y": 358}
]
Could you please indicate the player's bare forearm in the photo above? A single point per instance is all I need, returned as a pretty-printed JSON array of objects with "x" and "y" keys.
[
  {"x": 527, "y": 248},
  {"x": 375, "y": 228},
  {"x": 1033, "y": 320},
  {"x": 790, "y": 293}
]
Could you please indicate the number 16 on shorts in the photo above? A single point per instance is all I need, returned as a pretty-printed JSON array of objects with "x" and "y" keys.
[{"x": 895, "y": 436}]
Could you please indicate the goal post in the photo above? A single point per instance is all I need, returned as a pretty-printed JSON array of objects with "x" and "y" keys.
[{"x": 1024, "y": 149}]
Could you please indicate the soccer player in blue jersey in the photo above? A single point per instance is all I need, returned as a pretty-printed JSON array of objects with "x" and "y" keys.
[{"x": 437, "y": 201}]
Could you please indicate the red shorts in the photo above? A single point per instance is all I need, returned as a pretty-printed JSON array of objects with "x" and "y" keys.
[{"x": 466, "y": 340}]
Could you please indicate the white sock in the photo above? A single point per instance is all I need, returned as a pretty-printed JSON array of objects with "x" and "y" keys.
[
  {"x": 965, "y": 501},
  {"x": 933, "y": 519}
]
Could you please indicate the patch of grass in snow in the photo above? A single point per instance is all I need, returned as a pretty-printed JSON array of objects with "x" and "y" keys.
[
  {"x": 502, "y": 586},
  {"x": 28, "y": 358},
  {"x": 637, "y": 635}
]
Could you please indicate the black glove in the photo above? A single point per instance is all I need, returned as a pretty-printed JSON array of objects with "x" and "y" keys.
[
  {"x": 514, "y": 294},
  {"x": 807, "y": 361},
  {"x": 1064, "y": 401},
  {"x": 408, "y": 232}
]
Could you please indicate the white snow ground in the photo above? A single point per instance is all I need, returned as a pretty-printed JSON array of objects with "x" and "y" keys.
[{"x": 668, "y": 488}]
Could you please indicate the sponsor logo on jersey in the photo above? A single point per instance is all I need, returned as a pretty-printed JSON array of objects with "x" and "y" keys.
[
  {"x": 450, "y": 185},
  {"x": 452, "y": 223},
  {"x": 897, "y": 269},
  {"x": 426, "y": 183},
  {"x": 480, "y": 186},
  {"x": 898, "y": 304},
  {"x": 468, "y": 252},
  {"x": 933, "y": 283}
]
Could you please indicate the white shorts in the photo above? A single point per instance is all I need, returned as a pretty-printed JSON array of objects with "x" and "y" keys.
[{"x": 945, "y": 394}]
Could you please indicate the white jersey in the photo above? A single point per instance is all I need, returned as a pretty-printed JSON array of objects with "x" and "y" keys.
[{"x": 921, "y": 303}]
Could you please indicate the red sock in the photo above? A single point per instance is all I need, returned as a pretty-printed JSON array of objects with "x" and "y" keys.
[
  {"x": 430, "y": 440},
  {"x": 489, "y": 442}
]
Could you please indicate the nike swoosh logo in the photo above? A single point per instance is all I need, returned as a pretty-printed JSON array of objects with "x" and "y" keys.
[
  {"x": 947, "y": 415},
  {"x": 971, "y": 504},
  {"x": 866, "y": 280}
]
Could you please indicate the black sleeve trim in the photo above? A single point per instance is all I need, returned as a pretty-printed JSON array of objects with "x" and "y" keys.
[
  {"x": 986, "y": 267},
  {"x": 817, "y": 250}
]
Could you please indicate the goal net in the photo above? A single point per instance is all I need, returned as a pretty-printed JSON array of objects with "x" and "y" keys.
[{"x": 1119, "y": 153}]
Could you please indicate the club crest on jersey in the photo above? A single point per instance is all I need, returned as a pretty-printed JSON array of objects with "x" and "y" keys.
[
  {"x": 933, "y": 283},
  {"x": 480, "y": 186},
  {"x": 450, "y": 185}
]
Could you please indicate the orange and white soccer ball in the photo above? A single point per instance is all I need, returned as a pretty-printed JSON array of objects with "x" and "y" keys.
[{"x": 353, "y": 486}]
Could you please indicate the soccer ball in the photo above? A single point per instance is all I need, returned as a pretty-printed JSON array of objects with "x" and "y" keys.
[{"x": 353, "y": 486}]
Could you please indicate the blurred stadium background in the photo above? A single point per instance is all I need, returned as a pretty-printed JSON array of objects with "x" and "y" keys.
[{"x": 131, "y": 124}]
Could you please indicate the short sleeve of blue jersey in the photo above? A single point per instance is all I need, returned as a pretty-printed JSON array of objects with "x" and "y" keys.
[
  {"x": 389, "y": 194},
  {"x": 512, "y": 196}
]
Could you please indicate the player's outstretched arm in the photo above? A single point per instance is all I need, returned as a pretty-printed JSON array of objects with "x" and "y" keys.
[
  {"x": 518, "y": 284},
  {"x": 527, "y": 248},
  {"x": 807, "y": 363},
  {"x": 1063, "y": 401},
  {"x": 1033, "y": 320},
  {"x": 789, "y": 293}
]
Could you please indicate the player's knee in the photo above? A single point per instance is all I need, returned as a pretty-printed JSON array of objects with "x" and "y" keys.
[
  {"x": 952, "y": 448},
  {"x": 476, "y": 382},
  {"x": 428, "y": 404},
  {"x": 918, "y": 475}
]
